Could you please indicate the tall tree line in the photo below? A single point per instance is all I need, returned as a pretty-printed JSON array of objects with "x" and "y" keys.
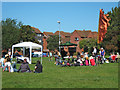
[
  {"x": 111, "y": 41},
  {"x": 14, "y": 32}
]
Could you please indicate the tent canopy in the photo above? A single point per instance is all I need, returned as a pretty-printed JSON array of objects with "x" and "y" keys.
[
  {"x": 30, "y": 45},
  {"x": 27, "y": 45}
]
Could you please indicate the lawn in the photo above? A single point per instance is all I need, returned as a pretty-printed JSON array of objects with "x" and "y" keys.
[{"x": 103, "y": 76}]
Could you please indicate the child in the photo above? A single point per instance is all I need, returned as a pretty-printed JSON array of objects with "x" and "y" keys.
[{"x": 87, "y": 61}]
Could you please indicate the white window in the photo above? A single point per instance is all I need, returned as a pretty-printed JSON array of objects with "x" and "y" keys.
[{"x": 76, "y": 39}]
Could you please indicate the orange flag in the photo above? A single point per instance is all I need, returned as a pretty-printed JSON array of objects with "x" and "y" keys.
[{"x": 103, "y": 24}]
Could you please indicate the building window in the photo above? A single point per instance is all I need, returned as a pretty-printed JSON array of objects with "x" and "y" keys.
[
  {"x": 83, "y": 37},
  {"x": 67, "y": 36},
  {"x": 76, "y": 39}
]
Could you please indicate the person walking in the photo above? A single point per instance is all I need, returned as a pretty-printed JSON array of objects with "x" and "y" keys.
[{"x": 50, "y": 55}]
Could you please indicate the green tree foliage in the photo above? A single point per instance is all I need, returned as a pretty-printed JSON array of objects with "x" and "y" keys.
[
  {"x": 53, "y": 42},
  {"x": 13, "y": 32},
  {"x": 111, "y": 41},
  {"x": 10, "y": 32},
  {"x": 27, "y": 34},
  {"x": 88, "y": 43}
]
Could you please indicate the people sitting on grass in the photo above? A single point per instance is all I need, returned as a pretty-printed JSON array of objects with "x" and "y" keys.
[
  {"x": 24, "y": 67},
  {"x": 110, "y": 57},
  {"x": 7, "y": 63},
  {"x": 84, "y": 60},
  {"x": 38, "y": 67},
  {"x": 92, "y": 61}
]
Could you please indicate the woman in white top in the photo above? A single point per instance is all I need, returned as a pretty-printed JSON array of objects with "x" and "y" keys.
[{"x": 7, "y": 63}]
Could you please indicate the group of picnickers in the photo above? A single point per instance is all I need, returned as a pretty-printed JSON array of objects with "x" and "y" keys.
[
  {"x": 62, "y": 59},
  {"x": 83, "y": 58},
  {"x": 8, "y": 65}
]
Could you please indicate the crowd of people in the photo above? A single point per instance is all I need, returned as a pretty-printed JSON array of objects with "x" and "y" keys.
[
  {"x": 83, "y": 58},
  {"x": 24, "y": 67},
  {"x": 62, "y": 59}
]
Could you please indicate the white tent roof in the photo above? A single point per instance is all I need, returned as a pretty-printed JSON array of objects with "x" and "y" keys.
[
  {"x": 30, "y": 45},
  {"x": 27, "y": 45}
]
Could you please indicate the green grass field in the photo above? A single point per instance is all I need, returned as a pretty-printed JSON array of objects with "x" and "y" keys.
[{"x": 103, "y": 76}]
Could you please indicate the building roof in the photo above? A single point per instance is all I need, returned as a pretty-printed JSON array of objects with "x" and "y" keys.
[
  {"x": 64, "y": 40},
  {"x": 36, "y": 30},
  {"x": 65, "y": 36},
  {"x": 62, "y": 33},
  {"x": 48, "y": 33},
  {"x": 87, "y": 33},
  {"x": 83, "y": 33}
]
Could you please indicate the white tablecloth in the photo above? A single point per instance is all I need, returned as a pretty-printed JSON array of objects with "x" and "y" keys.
[{"x": 22, "y": 58}]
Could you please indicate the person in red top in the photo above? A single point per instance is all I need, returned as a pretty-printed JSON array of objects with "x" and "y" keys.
[{"x": 92, "y": 61}]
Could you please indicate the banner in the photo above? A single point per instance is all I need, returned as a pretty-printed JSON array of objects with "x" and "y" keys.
[{"x": 103, "y": 24}]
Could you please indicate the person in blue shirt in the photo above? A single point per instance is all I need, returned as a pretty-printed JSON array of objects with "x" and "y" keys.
[{"x": 102, "y": 54}]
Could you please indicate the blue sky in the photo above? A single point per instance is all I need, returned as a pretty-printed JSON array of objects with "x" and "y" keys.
[{"x": 44, "y": 15}]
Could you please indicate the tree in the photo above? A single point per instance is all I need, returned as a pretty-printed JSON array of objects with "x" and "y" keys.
[
  {"x": 10, "y": 32},
  {"x": 27, "y": 34},
  {"x": 111, "y": 41},
  {"x": 53, "y": 42}
]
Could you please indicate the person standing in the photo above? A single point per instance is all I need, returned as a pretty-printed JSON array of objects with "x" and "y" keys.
[
  {"x": 9, "y": 52},
  {"x": 50, "y": 55},
  {"x": 63, "y": 54},
  {"x": 78, "y": 55},
  {"x": 102, "y": 54},
  {"x": 56, "y": 56},
  {"x": 94, "y": 53}
]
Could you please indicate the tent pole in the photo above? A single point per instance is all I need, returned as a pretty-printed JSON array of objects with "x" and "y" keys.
[
  {"x": 30, "y": 55},
  {"x": 23, "y": 51},
  {"x": 41, "y": 55},
  {"x": 12, "y": 52}
]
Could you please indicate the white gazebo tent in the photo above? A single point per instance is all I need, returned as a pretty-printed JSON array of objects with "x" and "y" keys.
[{"x": 30, "y": 45}]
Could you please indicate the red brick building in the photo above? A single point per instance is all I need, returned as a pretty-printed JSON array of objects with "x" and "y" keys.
[
  {"x": 65, "y": 36},
  {"x": 39, "y": 36},
  {"x": 46, "y": 35},
  {"x": 74, "y": 37},
  {"x": 79, "y": 35}
]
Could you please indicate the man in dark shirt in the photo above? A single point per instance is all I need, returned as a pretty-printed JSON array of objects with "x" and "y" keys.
[
  {"x": 24, "y": 67},
  {"x": 38, "y": 67},
  {"x": 63, "y": 54}
]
